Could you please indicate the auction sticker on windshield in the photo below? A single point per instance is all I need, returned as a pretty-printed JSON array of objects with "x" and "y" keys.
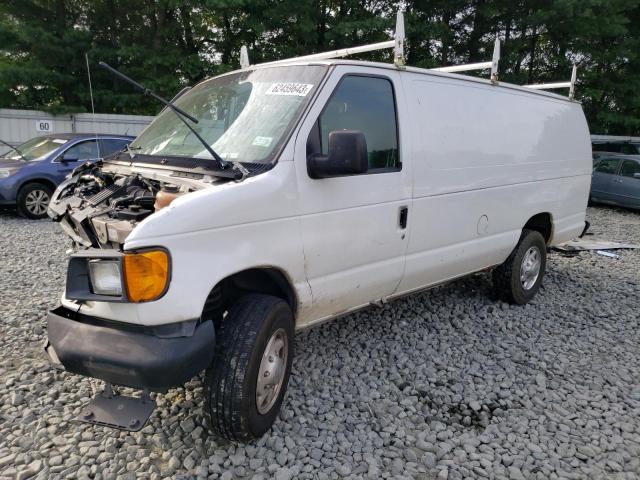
[
  {"x": 262, "y": 141},
  {"x": 299, "y": 89}
]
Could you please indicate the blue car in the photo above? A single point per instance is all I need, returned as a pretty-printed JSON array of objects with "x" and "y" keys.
[{"x": 29, "y": 173}]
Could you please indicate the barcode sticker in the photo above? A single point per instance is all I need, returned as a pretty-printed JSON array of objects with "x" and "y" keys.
[
  {"x": 297, "y": 89},
  {"x": 262, "y": 141}
]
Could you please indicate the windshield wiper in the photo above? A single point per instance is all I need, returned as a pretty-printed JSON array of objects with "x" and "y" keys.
[
  {"x": 182, "y": 115},
  {"x": 15, "y": 149}
]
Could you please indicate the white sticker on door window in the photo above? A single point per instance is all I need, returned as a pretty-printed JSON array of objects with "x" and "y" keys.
[
  {"x": 262, "y": 141},
  {"x": 298, "y": 89}
]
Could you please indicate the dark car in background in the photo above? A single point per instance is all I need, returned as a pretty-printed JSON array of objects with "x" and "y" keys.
[
  {"x": 616, "y": 180},
  {"x": 29, "y": 173}
]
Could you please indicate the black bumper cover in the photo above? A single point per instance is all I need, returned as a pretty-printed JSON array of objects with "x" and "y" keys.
[{"x": 124, "y": 357}]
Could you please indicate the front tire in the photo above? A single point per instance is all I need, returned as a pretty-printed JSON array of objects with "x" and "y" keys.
[
  {"x": 519, "y": 278},
  {"x": 246, "y": 383},
  {"x": 33, "y": 200}
]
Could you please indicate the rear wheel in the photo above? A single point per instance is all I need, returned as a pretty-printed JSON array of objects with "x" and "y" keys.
[
  {"x": 519, "y": 278},
  {"x": 33, "y": 200},
  {"x": 247, "y": 380}
]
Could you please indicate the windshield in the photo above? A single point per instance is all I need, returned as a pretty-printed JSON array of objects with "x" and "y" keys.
[
  {"x": 36, "y": 148},
  {"x": 243, "y": 116}
]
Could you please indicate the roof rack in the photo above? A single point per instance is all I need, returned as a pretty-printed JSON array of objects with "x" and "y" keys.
[
  {"x": 493, "y": 64},
  {"x": 399, "y": 60},
  {"x": 397, "y": 44},
  {"x": 571, "y": 85}
]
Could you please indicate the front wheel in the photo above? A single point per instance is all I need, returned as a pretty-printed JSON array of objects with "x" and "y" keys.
[
  {"x": 33, "y": 200},
  {"x": 247, "y": 380},
  {"x": 519, "y": 278}
]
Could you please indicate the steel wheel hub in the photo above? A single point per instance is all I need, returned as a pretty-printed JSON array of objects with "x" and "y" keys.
[
  {"x": 530, "y": 268},
  {"x": 36, "y": 202},
  {"x": 272, "y": 371}
]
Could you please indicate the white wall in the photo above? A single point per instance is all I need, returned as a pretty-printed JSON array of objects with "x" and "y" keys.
[{"x": 17, "y": 126}]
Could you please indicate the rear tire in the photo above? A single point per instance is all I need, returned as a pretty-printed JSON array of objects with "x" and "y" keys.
[
  {"x": 246, "y": 383},
  {"x": 519, "y": 278},
  {"x": 33, "y": 200}
]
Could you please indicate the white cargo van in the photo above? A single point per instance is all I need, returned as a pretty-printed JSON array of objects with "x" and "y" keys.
[{"x": 332, "y": 184}]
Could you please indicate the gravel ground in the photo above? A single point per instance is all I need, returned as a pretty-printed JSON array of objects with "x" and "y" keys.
[{"x": 444, "y": 384}]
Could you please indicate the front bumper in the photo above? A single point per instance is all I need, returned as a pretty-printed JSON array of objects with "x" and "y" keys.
[
  {"x": 126, "y": 355},
  {"x": 8, "y": 191}
]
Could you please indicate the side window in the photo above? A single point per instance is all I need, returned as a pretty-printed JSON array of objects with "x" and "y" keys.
[
  {"x": 83, "y": 151},
  {"x": 366, "y": 104},
  {"x": 630, "y": 168},
  {"x": 607, "y": 165},
  {"x": 112, "y": 145}
]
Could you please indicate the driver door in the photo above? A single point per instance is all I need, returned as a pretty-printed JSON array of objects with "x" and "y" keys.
[
  {"x": 355, "y": 228},
  {"x": 74, "y": 156}
]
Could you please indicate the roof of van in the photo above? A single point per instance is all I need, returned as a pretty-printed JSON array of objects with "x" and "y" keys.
[{"x": 424, "y": 71}]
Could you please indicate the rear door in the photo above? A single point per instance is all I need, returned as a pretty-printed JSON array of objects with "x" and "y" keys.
[
  {"x": 602, "y": 184},
  {"x": 355, "y": 228},
  {"x": 627, "y": 184}
]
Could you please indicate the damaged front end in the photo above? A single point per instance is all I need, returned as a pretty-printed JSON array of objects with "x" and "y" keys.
[
  {"x": 99, "y": 206},
  {"x": 101, "y": 203}
]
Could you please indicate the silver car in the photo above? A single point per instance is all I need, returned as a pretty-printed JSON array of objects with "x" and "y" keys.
[{"x": 616, "y": 181}]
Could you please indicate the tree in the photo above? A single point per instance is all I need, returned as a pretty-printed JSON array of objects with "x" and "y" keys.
[{"x": 166, "y": 44}]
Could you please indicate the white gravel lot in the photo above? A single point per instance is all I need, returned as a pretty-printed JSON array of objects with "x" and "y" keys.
[{"x": 443, "y": 384}]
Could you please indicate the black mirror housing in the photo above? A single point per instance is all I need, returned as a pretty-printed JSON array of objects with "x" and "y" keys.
[
  {"x": 68, "y": 159},
  {"x": 347, "y": 155}
]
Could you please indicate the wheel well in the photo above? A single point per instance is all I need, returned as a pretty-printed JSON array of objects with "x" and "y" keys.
[
  {"x": 43, "y": 181},
  {"x": 270, "y": 281},
  {"x": 541, "y": 223}
]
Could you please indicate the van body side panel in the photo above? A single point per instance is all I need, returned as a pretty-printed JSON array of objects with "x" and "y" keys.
[
  {"x": 213, "y": 233},
  {"x": 486, "y": 160}
]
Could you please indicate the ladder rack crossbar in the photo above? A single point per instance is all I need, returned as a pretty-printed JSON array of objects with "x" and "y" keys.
[
  {"x": 492, "y": 65},
  {"x": 571, "y": 85},
  {"x": 343, "y": 52},
  {"x": 465, "y": 68},
  {"x": 397, "y": 44},
  {"x": 549, "y": 86}
]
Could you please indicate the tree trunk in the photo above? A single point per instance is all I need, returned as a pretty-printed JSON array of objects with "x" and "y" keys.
[
  {"x": 533, "y": 42},
  {"x": 228, "y": 38},
  {"x": 446, "y": 38}
]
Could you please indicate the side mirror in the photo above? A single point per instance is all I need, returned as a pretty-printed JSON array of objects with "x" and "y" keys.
[
  {"x": 347, "y": 155},
  {"x": 66, "y": 158}
]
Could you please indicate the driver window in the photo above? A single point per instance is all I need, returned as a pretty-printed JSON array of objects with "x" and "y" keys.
[
  {"x": 83, "y": 151},
  {"x": 607, "y": 165},
  {"x": 630, "y": 168},
  {"x": 366, "y": 104}
]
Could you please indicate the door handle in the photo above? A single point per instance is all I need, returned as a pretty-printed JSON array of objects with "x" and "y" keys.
[{"x": 402, "y": 217}]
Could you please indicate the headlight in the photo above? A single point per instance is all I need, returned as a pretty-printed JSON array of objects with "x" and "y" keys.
[
  {"x": 106, "y": 278},
  {"x": 6, "y": 172},
  {"x": 146, "y": 275}
]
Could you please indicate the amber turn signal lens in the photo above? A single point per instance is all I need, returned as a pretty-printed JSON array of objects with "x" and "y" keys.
[{"x": 146, "y": 275}]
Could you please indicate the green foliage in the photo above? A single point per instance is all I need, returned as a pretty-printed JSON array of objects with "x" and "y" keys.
[{"x": 166, "y": 44}]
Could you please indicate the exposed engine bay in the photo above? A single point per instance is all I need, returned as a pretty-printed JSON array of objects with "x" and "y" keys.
[{"x": 100, "y": 204}]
